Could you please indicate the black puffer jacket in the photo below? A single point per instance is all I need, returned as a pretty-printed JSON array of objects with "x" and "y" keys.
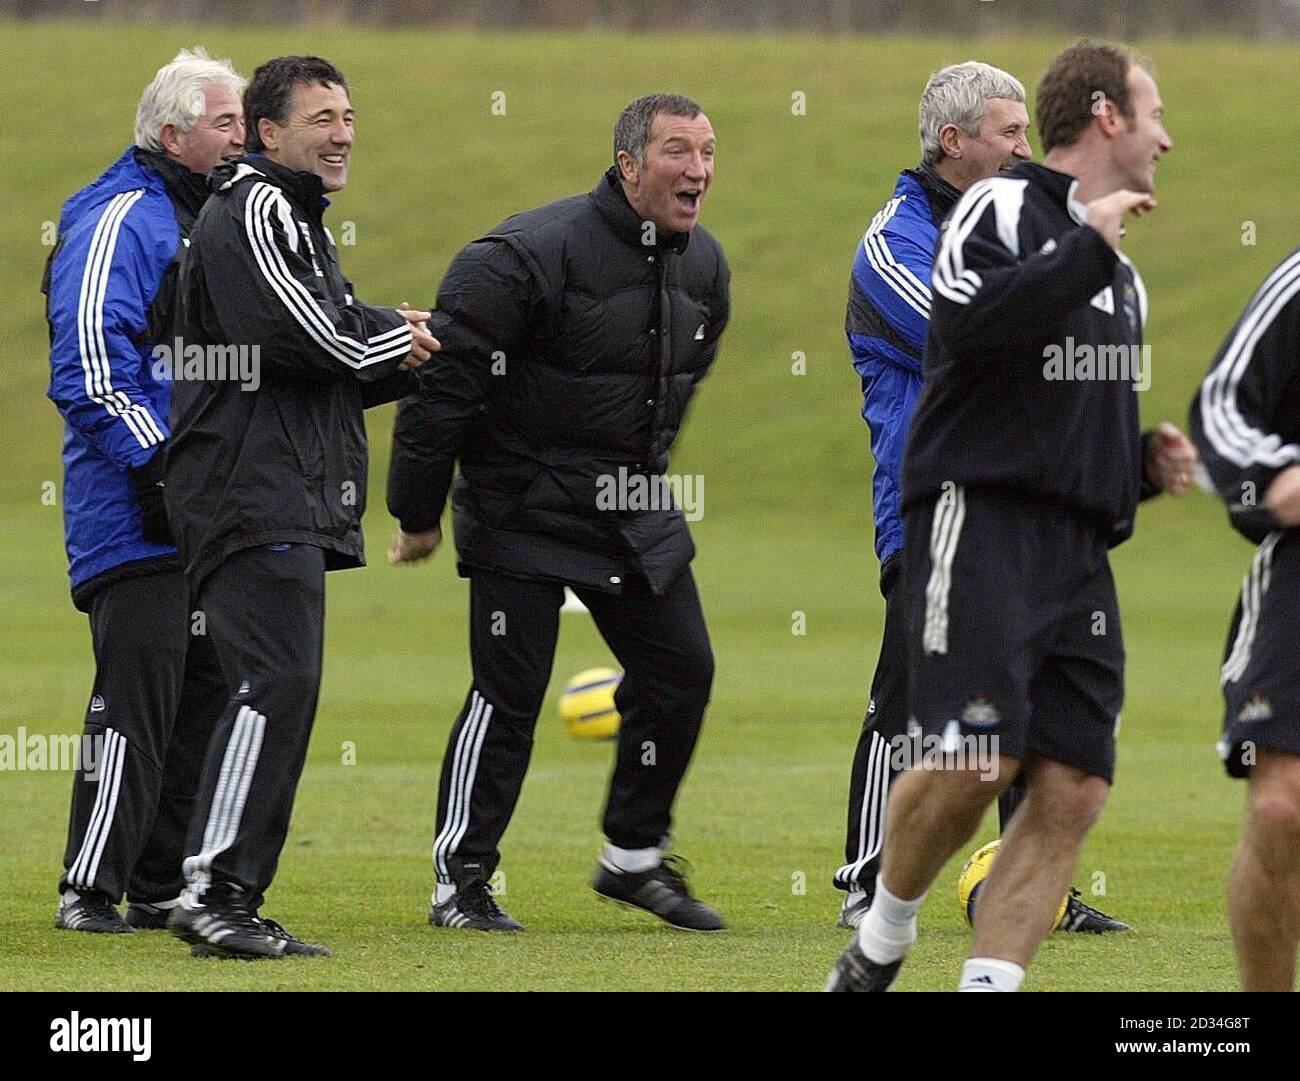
[
  {"x": 281, "y": 458},
  {"x": 570, "y": 350}
]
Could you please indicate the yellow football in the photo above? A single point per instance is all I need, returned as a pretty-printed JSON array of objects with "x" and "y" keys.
[
  {"x": 587, "y": 704},
  {"x": 972, "y": 878}
]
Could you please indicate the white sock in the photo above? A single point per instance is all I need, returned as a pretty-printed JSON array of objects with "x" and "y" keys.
[
  {"x": 444, "y": 892},
  {"x": 631, "y": 861},
  {"x": 990, "y": 974},
  {"x": 888, "y": 929}
]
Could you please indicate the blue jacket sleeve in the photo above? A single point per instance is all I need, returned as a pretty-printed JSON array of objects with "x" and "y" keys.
[
  {"x": 100, "y": 286},
  {"x": 893, "y": 273}
]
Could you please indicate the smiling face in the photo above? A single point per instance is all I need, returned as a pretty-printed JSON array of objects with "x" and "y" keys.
[
  {"x": 218, "y": 134},
  {"x": 316, "y": 136},
  {"x": 668, "y": 188},
  {"x": 1002, "y": 140},
  {"x": 1143, "y": 141}
]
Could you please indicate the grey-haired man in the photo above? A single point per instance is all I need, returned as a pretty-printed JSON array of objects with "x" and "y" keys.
[{"x": 573, "y": 336}]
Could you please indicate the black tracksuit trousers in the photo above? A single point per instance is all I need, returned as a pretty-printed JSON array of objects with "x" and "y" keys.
[
  {"x": 157, "y": 694},
  {"x": 265, "y": 611},
  {"x": 663, "y": 645}
]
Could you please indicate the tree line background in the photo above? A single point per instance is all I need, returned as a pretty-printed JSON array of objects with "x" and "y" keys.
[{"x": 1120, "y": 19}]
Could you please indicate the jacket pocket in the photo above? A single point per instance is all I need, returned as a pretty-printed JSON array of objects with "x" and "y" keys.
[{"x": 303, "y": 449}]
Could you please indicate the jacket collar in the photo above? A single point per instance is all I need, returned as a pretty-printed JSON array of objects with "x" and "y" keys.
[
  {"x": 942, "y": 195},
  {"x": 185, "y": 188},
  {"x": 1062, "y": 187},
  {"x": 305, "y": 189},
  {"x": 612, "y": 203}
]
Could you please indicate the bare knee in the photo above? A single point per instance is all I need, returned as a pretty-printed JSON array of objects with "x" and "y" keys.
[
  {"x": 962, "y": 793},
  {"x": 1273, "y": 815},
  {"x": 1065, "y": 799}
]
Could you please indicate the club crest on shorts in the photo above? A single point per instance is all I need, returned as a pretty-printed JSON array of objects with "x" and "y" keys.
[
  {"x": 1257, "y": 708},
  {"x": 97, "y": 704},
  {"x": 980, "y": 713}
]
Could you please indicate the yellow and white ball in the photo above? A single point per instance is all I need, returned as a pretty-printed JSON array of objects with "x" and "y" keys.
[
  {"x": 972, "y": 879},
  {"x": 587, "y": 704}
]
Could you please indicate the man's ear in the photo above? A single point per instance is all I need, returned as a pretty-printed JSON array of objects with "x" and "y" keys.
[
  {"x": 168, "y": 139},
  {"x": 950, "y": 140},
  {"x": 627, "y": 169},
  {"x": 268, "y": 133},
  {"x": 1109, "y": 118}
]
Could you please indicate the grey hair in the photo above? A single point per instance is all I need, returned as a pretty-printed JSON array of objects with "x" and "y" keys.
[
  {"x": 176, "y": 94},
  {"x": 958, "y": 94},
  {"x": 632, "y": 132}
]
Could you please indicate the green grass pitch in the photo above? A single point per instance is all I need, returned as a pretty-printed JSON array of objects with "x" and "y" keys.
[{"x": 785, "y": 529}]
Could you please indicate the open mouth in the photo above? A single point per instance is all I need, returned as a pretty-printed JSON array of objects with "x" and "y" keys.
[
  {"x": 688, "y": 199},
  {"x": 336, "y": 161}
]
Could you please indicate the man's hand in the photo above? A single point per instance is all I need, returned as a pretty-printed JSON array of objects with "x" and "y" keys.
[
  {"x": 1283, "y": 496},
  {"x": 423, "y": 344},
  {"x": 147, "y": 480},
  {"x": 1106, "y": 214},
  {"x": 413, "y": 547},
  {"x": 1171, "y": 460}
]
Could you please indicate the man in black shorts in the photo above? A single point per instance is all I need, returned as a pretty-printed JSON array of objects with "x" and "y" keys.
[
  {"x": 1246, "y": 424},
  {"x": 1025, "y": 464}
]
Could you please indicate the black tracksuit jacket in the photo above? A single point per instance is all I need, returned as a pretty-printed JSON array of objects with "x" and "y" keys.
[
  {"x": 1023, "y": 290},
  {"x": 1245, "y": 418},
  {"x": 285, "y": 463},
  {"x": 572, "y": 341}
]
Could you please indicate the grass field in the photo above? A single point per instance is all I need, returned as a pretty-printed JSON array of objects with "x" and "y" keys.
[{"x": 785, "y": 528}]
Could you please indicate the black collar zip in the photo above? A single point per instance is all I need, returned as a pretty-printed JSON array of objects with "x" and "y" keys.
[
  {"x": 611, "y": 201},
  {"x": 187, "y": 189}
]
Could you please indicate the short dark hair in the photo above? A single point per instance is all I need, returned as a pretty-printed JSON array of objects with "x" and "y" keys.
[
  {"x": 1075, "y": 82},
  {"x": 271, "y": 91},
  {"x": 632, "y": 132}
]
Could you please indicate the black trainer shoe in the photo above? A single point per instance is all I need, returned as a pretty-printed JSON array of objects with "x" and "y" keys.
[
  {"x": 90, "y": 910},
  {"x": 854, "y": 971},
  {"x": 294, "y": 946},
  {"x": 1086, "y": 919},
  {"x": 226, "y": 927},
  {"x": 147, "y": 917},
  {"x": 661, "y": 891},
  {"x": 473, "y": 908},
  {"x": 854, "y": 908}
]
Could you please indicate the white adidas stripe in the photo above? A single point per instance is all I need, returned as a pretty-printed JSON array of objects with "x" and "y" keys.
[
  {"x": 871, "y": 820},
  {"x": 899, "y": 278},
  {"x": 469, "y": 779},
  {"x": 879, "y": 791},
  {"x": 1228, "y": 431},
  {"x": 90, "y": 323},
  {"x": 111, "y": 811},
  {"x": 951, "y": 278},
  {"x": 946, "y": 530},
  {"x": 101, "y": 814},
  {"x": 298, "y": 299},
  {"x": 137, "y": 418},
  {"x": 453, "y": 788},
  {"x": 1253, "y": 588},
  {"x": 226, "y": 813},
  {"x": 454, "y": 799}
]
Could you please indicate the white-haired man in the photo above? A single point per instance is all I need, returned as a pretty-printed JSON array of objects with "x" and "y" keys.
[
  {"x": 973, "y": 125},
  {"x": 110, "y": 285}
]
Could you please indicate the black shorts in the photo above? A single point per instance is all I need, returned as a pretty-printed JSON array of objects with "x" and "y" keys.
[
  {"x": 1261, "y": 672},
  {"x": 1013, "y": 627}
]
